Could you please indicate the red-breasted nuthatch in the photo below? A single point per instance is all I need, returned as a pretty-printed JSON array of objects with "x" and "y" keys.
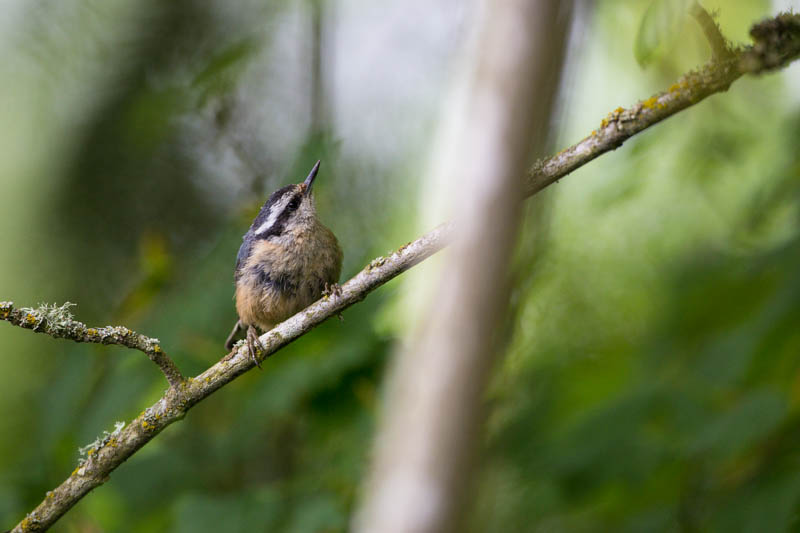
[{"x": 287, "y": 260}]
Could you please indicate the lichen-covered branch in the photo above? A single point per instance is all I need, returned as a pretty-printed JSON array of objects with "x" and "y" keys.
[
  {"x": 178, "y": 400},
  {"x": 777, "y": 42},
  {"x": 59, "y": 323}
]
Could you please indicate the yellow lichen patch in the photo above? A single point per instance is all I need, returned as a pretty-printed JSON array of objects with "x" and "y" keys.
[
  {"x": 603, "y": 124},
  {"x": 147, "y": 425},
  {"x": 112, "y": 442},
  {"x": 91, "y": 332},
  {"x": 157, "y": 349},
  {"x": 619, "y": 110},
  {"x": 650, "y": 103},
  {"x": 678, "y": 86},
  {"x": 30, "y": 319},
  {"x": 91, "y": 452}
]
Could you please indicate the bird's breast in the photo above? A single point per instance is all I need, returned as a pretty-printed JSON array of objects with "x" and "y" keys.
[{"x": 282, "y": 276}]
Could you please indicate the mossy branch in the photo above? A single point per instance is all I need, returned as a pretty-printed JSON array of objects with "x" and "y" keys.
[
  {"x": 777, "y": 42},
  {"x": 58, "y": 322}
]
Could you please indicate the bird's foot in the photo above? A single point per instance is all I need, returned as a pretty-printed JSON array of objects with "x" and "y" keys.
[
  {"x": 254, "y": 345},
  {"x": 332, "y": 289}
]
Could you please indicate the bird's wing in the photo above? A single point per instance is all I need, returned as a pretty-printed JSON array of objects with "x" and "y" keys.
[{"x": 244, "y": 253}]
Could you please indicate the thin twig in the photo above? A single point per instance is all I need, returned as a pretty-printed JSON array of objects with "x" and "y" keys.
[
  {"x": 719, "y": 46},
  {"x": 59, "y": 323},
  {"x": 772, "y": 50}
]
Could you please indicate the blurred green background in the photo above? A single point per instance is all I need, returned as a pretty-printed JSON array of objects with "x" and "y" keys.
[{"x": 652, "y": 380}]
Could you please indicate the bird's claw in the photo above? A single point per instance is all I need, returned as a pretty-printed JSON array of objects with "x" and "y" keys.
[
  {"x": 254, "y": 345},
  {"x": 332, "y": 289}
]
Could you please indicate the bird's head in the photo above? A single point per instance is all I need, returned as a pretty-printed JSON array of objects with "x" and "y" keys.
[{"x": 288, "y": 209}]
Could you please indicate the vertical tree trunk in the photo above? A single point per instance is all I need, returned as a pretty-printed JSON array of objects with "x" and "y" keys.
[{"x": 433, "y": 414}]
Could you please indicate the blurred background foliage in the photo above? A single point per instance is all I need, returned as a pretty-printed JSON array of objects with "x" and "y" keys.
[{"x": 652, "y": 380}]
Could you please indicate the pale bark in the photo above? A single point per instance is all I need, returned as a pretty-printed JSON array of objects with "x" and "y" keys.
[{"x": 432, "y": 419}]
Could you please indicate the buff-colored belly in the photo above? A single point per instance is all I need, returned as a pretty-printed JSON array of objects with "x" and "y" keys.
[
  {"x": 278, "y": 280},
  {"x": 264, "y": 307}
]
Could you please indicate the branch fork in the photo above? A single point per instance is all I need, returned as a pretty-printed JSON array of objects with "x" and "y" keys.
[{"x": 57, "y": 321}]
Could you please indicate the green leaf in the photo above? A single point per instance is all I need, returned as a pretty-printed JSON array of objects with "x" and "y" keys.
[
  {"x": 658, "y": 29},
  {"x": 743, "y": 424}
]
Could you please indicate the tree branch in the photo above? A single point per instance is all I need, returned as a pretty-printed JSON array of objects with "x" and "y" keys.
[
  {"x": 178, "y": 400},
  {"x": 59, "y": 323},
  {"x": 777, "y": 42}
]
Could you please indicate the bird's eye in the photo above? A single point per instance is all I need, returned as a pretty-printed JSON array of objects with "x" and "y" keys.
[{"x": 294, "y": 204}]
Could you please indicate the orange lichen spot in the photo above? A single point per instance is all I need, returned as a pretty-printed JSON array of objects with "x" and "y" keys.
[{"x": 619, "y": 110}]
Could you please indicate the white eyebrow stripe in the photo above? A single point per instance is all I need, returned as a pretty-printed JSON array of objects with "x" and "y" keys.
[{"x": 274, "y": 212}]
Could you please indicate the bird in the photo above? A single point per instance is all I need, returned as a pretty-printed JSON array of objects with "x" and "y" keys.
[{"x": 288, "y": 259}]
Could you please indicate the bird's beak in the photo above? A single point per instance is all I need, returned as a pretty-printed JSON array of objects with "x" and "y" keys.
[{"x": 310, "y": 178}]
